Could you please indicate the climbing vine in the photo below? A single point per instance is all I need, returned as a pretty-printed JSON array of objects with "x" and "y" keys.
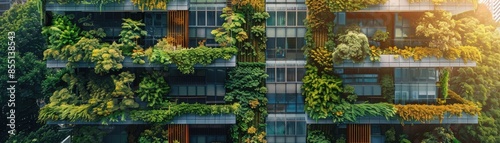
[{"x": 246, "y": 88}]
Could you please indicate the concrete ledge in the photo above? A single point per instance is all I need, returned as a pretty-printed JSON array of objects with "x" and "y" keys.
[
  {"x": 126, "y": 6},
  {"x": 127, "y": 63},
  {"x": 464, "y": 119},
  {"x": 399, "y": 61},
  {"x": 182, "y": 119}
]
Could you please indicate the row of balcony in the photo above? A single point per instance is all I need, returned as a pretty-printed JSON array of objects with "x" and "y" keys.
[{"x": 389, "y": 6}]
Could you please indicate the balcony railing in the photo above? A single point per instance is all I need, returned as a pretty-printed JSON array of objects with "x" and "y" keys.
[
  {"x": 448, "y": 119},
  {"x": 399, "y": 61},
  {"x": 404, "y": 5},
  {"x": 127, "y": 62},
  {"x": 182, "y": 119},
  {"x": 126, "y": 6}
]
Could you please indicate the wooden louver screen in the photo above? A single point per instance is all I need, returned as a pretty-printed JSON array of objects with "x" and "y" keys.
[
  {"x": 178, "y": 27},
  {"x": 178, "y": 133},
  {"x": 320, "y": 38},
  {"x": 358, "y": 133}
]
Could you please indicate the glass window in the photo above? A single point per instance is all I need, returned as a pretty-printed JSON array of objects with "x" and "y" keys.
[
  {"x": 300, "y": 73},
  {"x": 301, "y": 15},
  {"x": 271, "y": 43},
  {"x": 301, "y": 128},
  {"x": 201, "y": 18},
  {"x": 270, "y": 128},
  {"x": 271, "y": 21},
  {"x": 281, "y": 16},
  {"x": 292, "y": 43},
  {"x": 290, "y": 128},
  {"x": 219, "y": 19},
  {"x": 211, "y": 18},
  {"x": 270, "y": 72},
  {"x": 192, "y": 18},
  {"x": 291, "y": 19},
  {"x": 280, "y": 128},
  {"x": 280, "y": 75},
  {"x": 290, "y": 74}
]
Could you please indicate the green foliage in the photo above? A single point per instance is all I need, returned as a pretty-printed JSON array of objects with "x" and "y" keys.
[
  {"x": 185, "y": 59},
  {"x": 172, "y": 110},
  {"x": 375, "y": 54},
  {"x": 246, "y": 88},
  {"x": 387, "y": 84},
  {"x": 439, "y": 134},
  {"x": 96, "y": 33},
  {"x": 439, "y": 27},
  {"x": 45, "y": 134},
  {"x": 322, "y": 58},
  {"x": 380, "y": 35},
  {"x": 390, "y": 135},
  {"x": 87, "y": 134},
  {"x": 317, "y": 136},
  {"x": 108, "y": 57},
  {"x": 404, "y": 139},
  {"x": 153, "y": 88},
  {"x": 232, "y": 30},
  {"x": 260, "y": 17},
  {"x": 347, "y": 5},
  {"x": 81, "y": 51},
  {"x": 62, "y": 32},
  {"x": 445, "y": 76},
  {"x": 259, "y": 31},
  {"x": 480, "y": 84},
  {"x": 321, "y": 91},
  {"x": 353, "y": 46},
  {"x": 154, "y": 135},
  {"x": 340, "y": 140},
  {"x": 138, "y": 56},
  {"x": 130, "y": 34}
]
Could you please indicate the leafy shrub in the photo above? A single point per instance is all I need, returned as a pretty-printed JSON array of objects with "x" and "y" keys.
[
  {"x": 130, "y": 34},
  {"x": 352, "y": 46},
  {"x": 317, "y": 136},
  {"x": 108, "y": 57},
  {"x": 152, "y": 89}
]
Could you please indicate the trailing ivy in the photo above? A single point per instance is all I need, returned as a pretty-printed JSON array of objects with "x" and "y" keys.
[
  {"x": 172, "y": 110},
  {"x": 245, "y": 87},
  {"x": 387, "y": 84},
  {"x": 153, "y": 88},
  {"x": 444, "y": 78},
  {"x": 185, "y": 59}
]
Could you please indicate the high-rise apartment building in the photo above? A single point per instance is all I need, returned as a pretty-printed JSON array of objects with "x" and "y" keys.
[{"x": 192, "y": 21}]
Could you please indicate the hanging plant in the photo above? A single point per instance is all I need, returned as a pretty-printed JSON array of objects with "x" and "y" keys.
[{"x": 151, "y": 4}]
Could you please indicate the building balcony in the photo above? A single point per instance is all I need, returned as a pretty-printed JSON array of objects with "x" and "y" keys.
[
  {"x": 192, "y": 119},
  {"x": 448, "y": 119},
  {"x": 125, "y": 6},
  {"x": 127, "y": 63},
  {"x": 398, "y": 61},
  {"x": 405, "y": 6}
]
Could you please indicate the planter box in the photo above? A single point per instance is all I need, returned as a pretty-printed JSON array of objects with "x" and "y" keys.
[
  {"x": 404, "y": 5},
  {"x": 464, "y": 119},
  {"x": 125, "y": 6},
  {"x": 399, "y": 61},
  {"x": 127, "y": 62},
  {"x": 181, "y": 119}
]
